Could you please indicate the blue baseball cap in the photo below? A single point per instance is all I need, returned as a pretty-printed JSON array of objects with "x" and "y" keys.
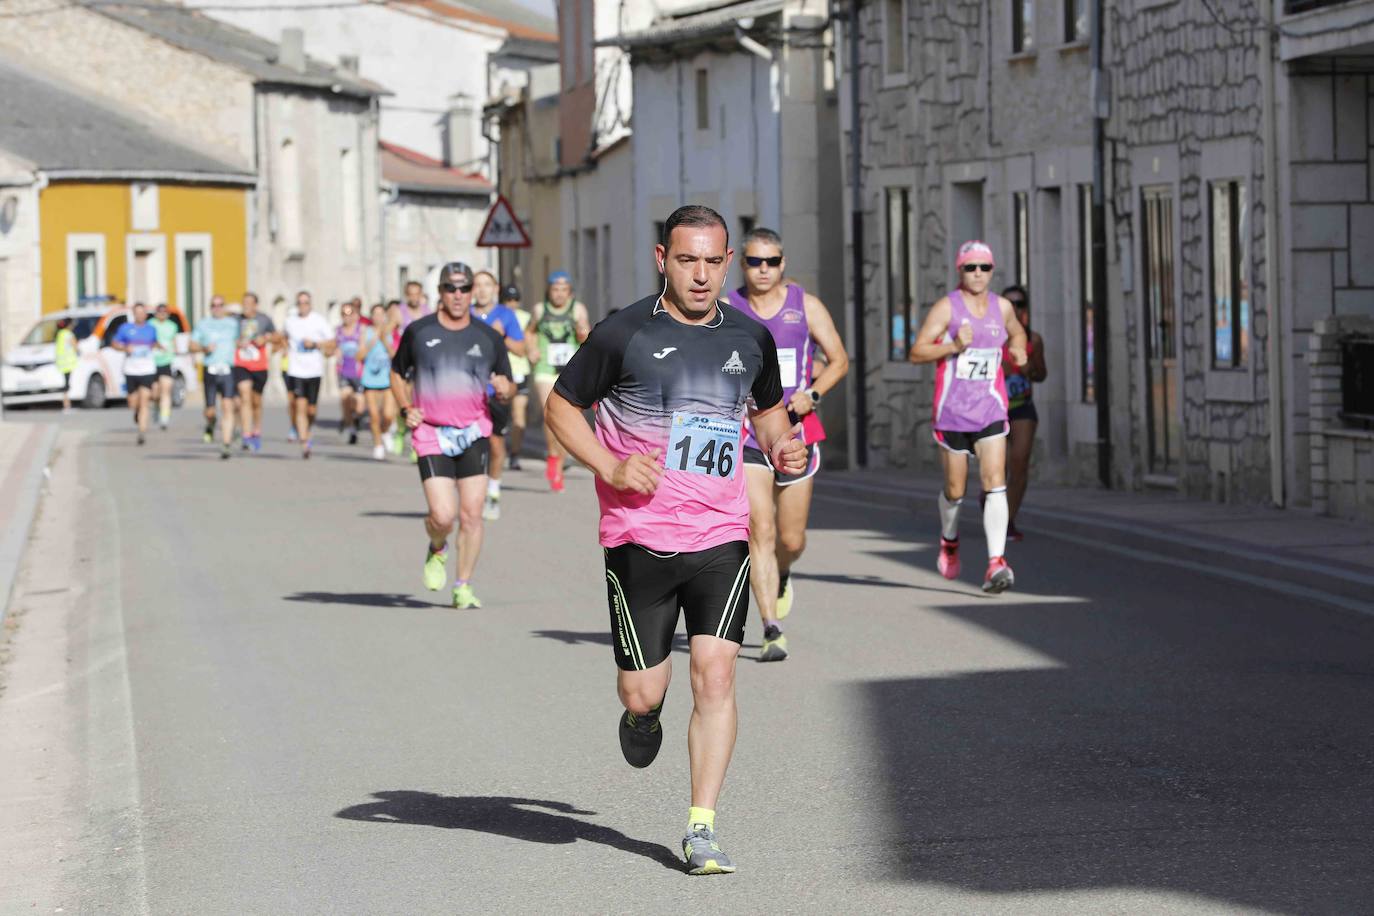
[{"x": 558, "y": 275}]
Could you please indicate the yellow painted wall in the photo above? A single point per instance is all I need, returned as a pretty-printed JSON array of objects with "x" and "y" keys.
[{"x": 105, "y": 208}]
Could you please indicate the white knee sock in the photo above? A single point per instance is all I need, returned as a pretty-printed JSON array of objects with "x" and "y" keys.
[
  {"x": 995, "y": 521},
  {"x": 949, "y": 517},
  {"x": 493, "y": 487}
]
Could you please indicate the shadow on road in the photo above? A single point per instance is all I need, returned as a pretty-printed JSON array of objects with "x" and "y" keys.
[
  {"x": 518, "y": 818},
  {"x": 385, "y": 514},
  {"x": 362, "y": 599},
  {"x": 601, "y": 638},
  {"x": 1181, "y": 743}
]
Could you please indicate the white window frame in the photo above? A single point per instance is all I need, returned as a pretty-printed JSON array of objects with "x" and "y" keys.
[
  {"x": 903, "y": 76},
  {"x": 86, "y": 241},
  {"x": 194, "y": 241},
  {"x": 153, "y": 201},
  {"x": 146, "y": 241}
]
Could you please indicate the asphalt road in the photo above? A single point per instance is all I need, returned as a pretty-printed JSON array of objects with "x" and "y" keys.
[{"x": 266, "y": 713}]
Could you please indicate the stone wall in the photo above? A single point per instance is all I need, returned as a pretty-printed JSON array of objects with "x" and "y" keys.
[{"x": 1342, "y": 457}]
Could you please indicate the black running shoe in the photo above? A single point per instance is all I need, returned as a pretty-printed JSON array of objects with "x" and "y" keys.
[{"x": 641, "y": 737}]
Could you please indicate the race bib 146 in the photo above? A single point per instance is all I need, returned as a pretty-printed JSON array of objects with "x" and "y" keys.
[{"x": 703, "y": 445}]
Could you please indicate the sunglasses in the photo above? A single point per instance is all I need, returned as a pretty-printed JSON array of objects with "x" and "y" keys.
[
  {"x": 970, "y": 268},
  {"x": 775, "y": 261},
  {"x": 451, "y": 288}
]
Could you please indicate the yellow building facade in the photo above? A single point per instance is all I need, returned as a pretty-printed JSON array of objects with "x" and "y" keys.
[{"x": 149, "y": 242}]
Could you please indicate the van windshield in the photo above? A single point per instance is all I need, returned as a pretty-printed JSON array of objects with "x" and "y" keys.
[{"x": 45, "y": 332}]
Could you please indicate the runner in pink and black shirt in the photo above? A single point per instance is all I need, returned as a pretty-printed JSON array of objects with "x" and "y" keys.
[
  {"x": 671, "y": 378},
  {"x": 439, "y": 376}
]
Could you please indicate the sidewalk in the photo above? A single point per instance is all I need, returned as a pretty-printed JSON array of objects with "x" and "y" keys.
[
  {"x": 24, "y": 452},
  {"x": 1292, "y": 550}
]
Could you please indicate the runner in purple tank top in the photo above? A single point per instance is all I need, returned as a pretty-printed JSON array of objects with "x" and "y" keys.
[
  {"x": 779, "y": 503},
  {"x": 964, "y": 335}
]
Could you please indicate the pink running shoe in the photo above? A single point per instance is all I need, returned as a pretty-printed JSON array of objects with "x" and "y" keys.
[
  {"x": 1014, "y": 534},
  {"x": 948, "y": 563},
  {"x": 999, "y": 577}
]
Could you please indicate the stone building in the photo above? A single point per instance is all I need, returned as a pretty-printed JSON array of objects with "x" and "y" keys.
[
  {"x": 307, "y": 130},
  {"x": 977, "y": 121}
]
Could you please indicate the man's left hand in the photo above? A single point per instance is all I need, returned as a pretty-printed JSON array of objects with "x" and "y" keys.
[
  {"x": 789, "y": 455},
  {"x": 504, "y": 387}
]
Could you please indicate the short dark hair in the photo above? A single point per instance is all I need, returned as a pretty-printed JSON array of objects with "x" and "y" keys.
[
  {"x": 1019, "y": 290},
  {"x": 410, "y": 283},
  {"x": 761, "y": 234},
  {"x": 692, "y": 215}
]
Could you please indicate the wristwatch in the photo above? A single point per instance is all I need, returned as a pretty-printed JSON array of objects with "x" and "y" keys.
[{"x": 814, "y": 395}]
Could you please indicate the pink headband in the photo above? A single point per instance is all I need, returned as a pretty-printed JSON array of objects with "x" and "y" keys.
[{"x": 974, "y": 252}]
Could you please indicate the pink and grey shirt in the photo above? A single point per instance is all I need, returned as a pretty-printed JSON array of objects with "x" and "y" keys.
[
  {"x": 681, "y": 389},
  {"x": 970, "y": 390},
  {"x": 796, "y": 353},
  {"x": 450, "y": 371}
]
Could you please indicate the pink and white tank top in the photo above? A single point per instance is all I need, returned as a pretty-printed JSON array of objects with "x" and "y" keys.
[{"x": 970, "y": 390}]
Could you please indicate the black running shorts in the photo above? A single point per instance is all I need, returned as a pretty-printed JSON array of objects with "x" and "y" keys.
[
  {"x": 966, "y": 443},
  {"x": 646, "y": 589},
  {"x": 472, "y": 462},
  {"x": 257, "y": 376},
  {"x": 164, "y": 371},
  {"x": 219, "y": 386},
  {"x": 308, "y": 388},
  {"x": 755, "y": 458},
  {"x": 134, "y": 382}
]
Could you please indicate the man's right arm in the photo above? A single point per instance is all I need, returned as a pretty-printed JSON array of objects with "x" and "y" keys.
[
  {"x": 928, "y": 346},
  {"x": 638, "y": 473}
]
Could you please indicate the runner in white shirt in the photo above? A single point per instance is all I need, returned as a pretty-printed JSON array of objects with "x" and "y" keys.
[{"x": 309, "y": 339}]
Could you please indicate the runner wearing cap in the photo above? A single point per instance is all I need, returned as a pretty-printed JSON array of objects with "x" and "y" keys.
[
  {"x": 439, "y": 375},
  {"x": 557, "y": 327},
  {"x": 780, "y": 503},
  {"x": 964, "y": 335},
  {"x": 672, "y": 377},
  {"x": 520, "y": 369},
  {"x": 501, "y": 319}
]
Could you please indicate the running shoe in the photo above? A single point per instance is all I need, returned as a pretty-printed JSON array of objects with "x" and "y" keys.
[
  {"x": 257, "y": 442},
  {"x": 948, "y": 563},
  {"x": 641, "y": 736},
  {"x": 352, "y": 437},
  {"x": 246, "y": 443},
  {"x": 514, "y": 463},
  {"x": 1013, "y": 533},
  {"x": 291, "y": 434},
  {"x": 999, "y": 577},
  {"x": 491, "y": 511},
  {"x": 464, "y": 598},
  {"x": 435, "y": 576},
  {"x": 774, "y": 645},
  {"x": 703, "y": 853},
  {"x": 224, "y": 452},
  {"x": 140, "y": 438},
  {"x": 784, "y": 597},
  {"x": 398, "y": 441},
  {"x": 379, "y": 452},
  {"x": 208, "y": 436},
  {"x": 305, "y": 449}
]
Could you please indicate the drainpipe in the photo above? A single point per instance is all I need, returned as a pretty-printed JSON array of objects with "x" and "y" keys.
[
  {"x": 856, "y": 235},
  {"x": 1277, "y": 465},
  {"x": 1101, "y": 102}
]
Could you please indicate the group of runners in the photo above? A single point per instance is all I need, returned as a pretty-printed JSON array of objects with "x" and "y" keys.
[{"x": 704, "y": 442}]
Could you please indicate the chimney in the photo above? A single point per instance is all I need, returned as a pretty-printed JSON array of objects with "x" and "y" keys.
[
  {"x": 349, "y": 62},
  {"x": 291, "y": 55},
  {"x": 458, "y": 130}
]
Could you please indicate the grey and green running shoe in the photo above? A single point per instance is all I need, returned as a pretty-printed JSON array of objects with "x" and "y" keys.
[
  {"x": 774, "y": 645},
  {"x": 641, "y": 736},
  {"x": 703, "y": 853}
]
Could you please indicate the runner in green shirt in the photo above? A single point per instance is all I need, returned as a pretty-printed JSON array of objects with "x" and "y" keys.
[{"x": 167, "y": 330}]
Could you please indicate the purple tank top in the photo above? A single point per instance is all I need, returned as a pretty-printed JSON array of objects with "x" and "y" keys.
[
  {"x": 349, "y": 367},
  {"x": 796, "y": 349},
  {"x": 970, "y": 391}
]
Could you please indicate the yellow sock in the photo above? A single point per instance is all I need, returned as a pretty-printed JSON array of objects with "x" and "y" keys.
[{"x": 704, "y": 816}]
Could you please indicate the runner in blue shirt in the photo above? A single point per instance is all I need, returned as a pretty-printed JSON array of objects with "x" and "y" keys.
[
  {"x": 217, "y": 337},
  {"x": 487, "y": 307},
  {"x": 137, "y": 339}
]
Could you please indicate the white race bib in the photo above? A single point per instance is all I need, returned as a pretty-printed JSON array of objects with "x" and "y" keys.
[
  {"x": 787, "y": 367},
  {"x": 978, "y": 364},
  {"x": 217, "y": 369},
  {"x": 248, "y": 353},
  {"x": 702, "y": 445},
  {"x": 560, "y": 353}
]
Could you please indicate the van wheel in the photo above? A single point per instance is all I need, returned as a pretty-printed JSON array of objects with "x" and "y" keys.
[
  {"x": 95, "y": 393},
  {"x": 178, "y": 390}
]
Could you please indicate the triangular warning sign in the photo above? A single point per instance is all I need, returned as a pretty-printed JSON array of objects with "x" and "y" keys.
[{"x": 502, "y": 229}]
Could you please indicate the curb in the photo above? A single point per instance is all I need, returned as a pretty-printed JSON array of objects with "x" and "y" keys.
[{"x": 25, "y": 481}]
